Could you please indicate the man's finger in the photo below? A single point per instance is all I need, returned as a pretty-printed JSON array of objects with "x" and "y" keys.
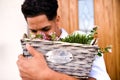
[
  {"x": 24, "y": 75},
  {"x": 20, "y": 56},
  {"x": 31, "y": 50}
]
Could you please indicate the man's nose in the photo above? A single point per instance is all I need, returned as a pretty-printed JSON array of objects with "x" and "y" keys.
[{"x": 38, "y": 32}]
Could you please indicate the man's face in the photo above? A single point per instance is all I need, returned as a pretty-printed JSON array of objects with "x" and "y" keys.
[{"x": 40, "y": 24}]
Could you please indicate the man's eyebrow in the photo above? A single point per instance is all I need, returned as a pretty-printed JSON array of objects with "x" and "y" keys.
[{"x": 45, "y": 27}]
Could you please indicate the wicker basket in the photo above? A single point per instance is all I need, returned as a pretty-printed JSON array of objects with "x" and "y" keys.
[{"x": 69, "y": 58}]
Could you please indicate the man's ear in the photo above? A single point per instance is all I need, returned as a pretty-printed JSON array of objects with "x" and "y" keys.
[{"x": 58, "y": 20}]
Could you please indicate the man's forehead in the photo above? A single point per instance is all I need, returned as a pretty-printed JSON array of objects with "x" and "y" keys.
[{"x": 37, "y": 19}]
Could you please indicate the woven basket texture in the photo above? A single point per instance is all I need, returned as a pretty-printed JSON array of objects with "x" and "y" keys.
[{"x": 83, "y": 56}]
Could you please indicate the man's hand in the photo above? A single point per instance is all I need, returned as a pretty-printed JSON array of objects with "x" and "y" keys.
[{"x": 33, "y": 68}]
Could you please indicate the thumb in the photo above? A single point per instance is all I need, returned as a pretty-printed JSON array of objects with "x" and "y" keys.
[{"x": 31, "y": 50}]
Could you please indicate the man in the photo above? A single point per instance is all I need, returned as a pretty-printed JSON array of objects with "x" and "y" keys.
[{"x": 41, "y": 17}]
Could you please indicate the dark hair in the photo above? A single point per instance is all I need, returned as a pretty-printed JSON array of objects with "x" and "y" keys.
[{"x": 32, "y": 8}]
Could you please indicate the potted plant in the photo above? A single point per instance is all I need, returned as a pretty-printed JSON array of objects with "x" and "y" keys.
[{"x": 76, "y": 52}]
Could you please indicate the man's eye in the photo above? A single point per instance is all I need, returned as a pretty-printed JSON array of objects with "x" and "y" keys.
[
  {"x": 46, "y": 29},
  {"x": 34, "y": 31}
]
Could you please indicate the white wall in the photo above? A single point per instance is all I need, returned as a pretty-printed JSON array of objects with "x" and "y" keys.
[{"x": 12, "y": 26}]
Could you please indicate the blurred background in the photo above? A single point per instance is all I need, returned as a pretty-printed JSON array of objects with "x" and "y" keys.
[
  {"x": 75, "y": 15},
  {"x": 84, "y": 14},
  {"x": 12, "y": 26}
]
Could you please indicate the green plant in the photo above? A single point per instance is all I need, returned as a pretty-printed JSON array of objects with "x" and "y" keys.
[
  {"x": 89, "y": 39},
  {"x": 80, "y": 38},
  {"x": 77, "y": 38},
  {"x": 104, "y": 50}
]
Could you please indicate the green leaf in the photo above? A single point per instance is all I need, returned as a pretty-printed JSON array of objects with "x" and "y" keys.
[
  {"x": 99, "y": 53},
  {"x": 39, "y": 36}
]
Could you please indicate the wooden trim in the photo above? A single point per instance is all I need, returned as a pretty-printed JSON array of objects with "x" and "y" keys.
[
  {"x": 73, "y": 15},
  {"x": 68, "y": 10},
  {"x": 107, "y": 18}
]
